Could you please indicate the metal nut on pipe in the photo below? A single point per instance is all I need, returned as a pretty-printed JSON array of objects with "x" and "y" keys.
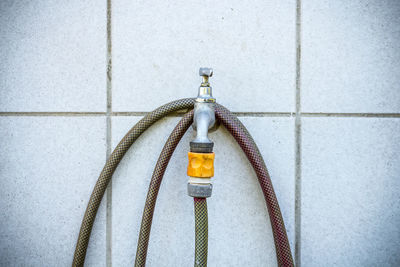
[
  {"x": 201, "y": 191},
  {"x": 208, "y": 72}
]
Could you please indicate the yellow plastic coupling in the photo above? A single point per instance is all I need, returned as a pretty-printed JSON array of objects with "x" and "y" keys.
[{"x": 201, "y": 165}]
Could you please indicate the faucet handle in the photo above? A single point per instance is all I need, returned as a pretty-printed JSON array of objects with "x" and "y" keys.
[
  {"x": 205, "y": 90},
  {"x": 206, "y": 72}
]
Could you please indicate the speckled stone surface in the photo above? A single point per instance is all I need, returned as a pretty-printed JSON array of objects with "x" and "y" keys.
[
  {"x": 157, "y": 52},
  {"x": 350, "y": 192},
  {"x": 61, "y": 57},
  {"x": 53, "y": 55},
  {"x": 47, "y": 171},
  {"x": 350, "y": 56}
]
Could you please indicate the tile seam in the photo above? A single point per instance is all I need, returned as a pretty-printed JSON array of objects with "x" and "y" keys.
[
  {"x": 351, "y": 115},
  {"x": 297, "y": 211},
  {"x": 109, "y": 133},
  {"x": 53, "y": 114},
  {"x": 239, "y": 114},
  {"x": 179, "y": 114}
]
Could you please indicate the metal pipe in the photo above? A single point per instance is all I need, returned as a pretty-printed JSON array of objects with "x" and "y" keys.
[{"x": 204, "y": 115}]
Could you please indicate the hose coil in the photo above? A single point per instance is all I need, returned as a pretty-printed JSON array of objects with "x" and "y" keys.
[{"x": 245, "y": 141}]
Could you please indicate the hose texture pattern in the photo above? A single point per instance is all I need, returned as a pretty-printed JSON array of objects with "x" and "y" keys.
[
  {"x": 245, "y": 141},
  {"x": 155, "y": 184},
  {"x": 109, "y": 168},
  {"x": 249, "y": 147},
  {"x": 201, "y": 232}
]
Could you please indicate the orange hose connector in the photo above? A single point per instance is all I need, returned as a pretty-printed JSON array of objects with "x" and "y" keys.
[{"x": 201, "y": 165}]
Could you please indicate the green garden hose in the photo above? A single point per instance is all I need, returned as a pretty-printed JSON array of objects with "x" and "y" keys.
[
  {"x": 245, "y": 141},
  {"x": 109, "y": 168},
  {"x": 201, "y": 232},
  {"x": 249, "y": 147},
  {"x": 154, "y": 187}
]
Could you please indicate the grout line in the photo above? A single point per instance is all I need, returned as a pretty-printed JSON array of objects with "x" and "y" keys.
[
  {"x": 239, "y": 114},
  {"x": 180, "y": 114},
  {"x": 297, "y": 204},
  {"x": 264, "y": 114},
  {"x": 142, "y": 114},
  {"x": 109, "y": 133},
  {"x": 47, "y": 114},
  {"x": 128, "y": 113},
  {"x": 352, "y": 115}
]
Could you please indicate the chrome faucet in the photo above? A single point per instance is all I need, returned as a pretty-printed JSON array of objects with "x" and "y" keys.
[{"x": 204, "y": 115}]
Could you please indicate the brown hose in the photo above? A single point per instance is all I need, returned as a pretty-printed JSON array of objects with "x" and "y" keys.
[
  {"x": 246, "y": 142},
  {"x": 154, "y": 187},
  {"x": 109, "y": 168}
]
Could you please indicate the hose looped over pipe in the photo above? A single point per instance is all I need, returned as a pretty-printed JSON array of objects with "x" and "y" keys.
[
  {"x": 249, "y": 147},
  {"x": 154, "y": 187},
  {"x": 109, "y": 168},
  {"x": 242, "y": 137}
]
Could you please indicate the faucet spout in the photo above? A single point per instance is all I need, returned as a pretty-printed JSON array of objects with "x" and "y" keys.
[{"x": 204, "y": 115}]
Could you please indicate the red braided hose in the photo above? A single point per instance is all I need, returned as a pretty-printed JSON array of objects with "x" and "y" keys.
[
  {"x": 244, "y": 139},
  {"x": 249, "y": 147}
]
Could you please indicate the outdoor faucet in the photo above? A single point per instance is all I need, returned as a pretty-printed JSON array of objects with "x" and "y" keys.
[{"x": 204, "y": 115}]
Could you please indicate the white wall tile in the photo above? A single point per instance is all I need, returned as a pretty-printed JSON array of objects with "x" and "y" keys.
[
  {"x": 54, "y": 59},
  {"x": 48, "y": 167},
  {"x": 53, "y": 55},
  {"x": 159, "y": 46},
  {"x": 239, "y": 228},
  {"x": 350, "y": 192},
  {"x": 350, "y": 56}
]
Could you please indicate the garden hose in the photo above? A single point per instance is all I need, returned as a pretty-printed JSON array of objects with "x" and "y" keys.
[
  {"x": 201, "y": 232},
  {"x": 109, "y": 168},
  {"x": 155, "y": 183},
  {"x": 249, "y": 147},
  {"x": 245, "y": 141}
]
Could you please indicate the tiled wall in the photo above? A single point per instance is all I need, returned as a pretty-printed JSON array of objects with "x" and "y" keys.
[{"x": 317, "y": 83}]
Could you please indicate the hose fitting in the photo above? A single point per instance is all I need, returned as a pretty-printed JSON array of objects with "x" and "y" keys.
[
  {"x": 201, "y": 165},
  {"x": 200, "y": 170}
]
